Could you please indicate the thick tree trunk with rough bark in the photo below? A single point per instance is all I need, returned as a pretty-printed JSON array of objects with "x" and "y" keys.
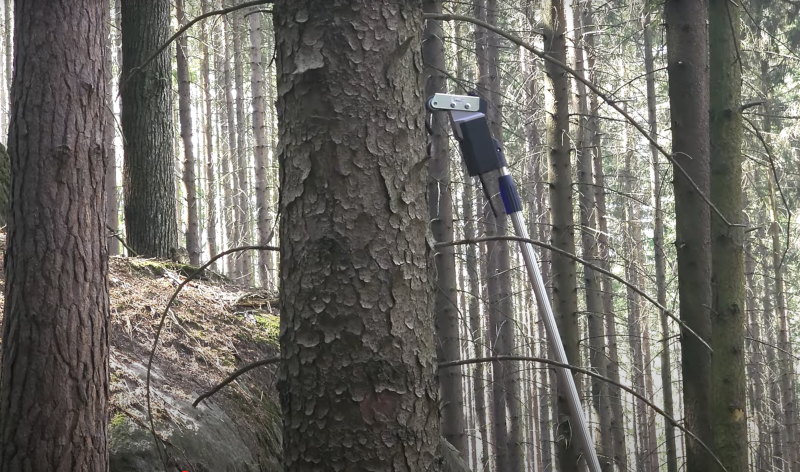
[
  {"x": 562, "y": 235},
  {"x": 54, "y": 384},
  {"x": 440, "y": 207},
  {"x": 687, "y": 67},
  {"x": 260, "y": 151},
  {"x": 185, "y": 116},
  {"x": 358, "y": 378},
  {"x": 147, "y": 128},
  {"x": 208, "y": 131},
  {"x": 728, "y": 317}
]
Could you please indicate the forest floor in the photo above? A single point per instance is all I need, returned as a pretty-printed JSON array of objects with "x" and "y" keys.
[{"x": 213, "y": 328}]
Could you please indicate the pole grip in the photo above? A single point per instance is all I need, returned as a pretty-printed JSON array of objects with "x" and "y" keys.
[{"x": 508, "y": 191}]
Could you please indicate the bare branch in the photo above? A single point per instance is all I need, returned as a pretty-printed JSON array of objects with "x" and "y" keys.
[
  {"x": 585, "y": 263},
  {"x": 588, "y": 83},
  {"x": 164, "y": 317},
  {"x": 233, "y": 376},
  {"x": 183, "y": 29},
  {"x": 573, "y": 368}
]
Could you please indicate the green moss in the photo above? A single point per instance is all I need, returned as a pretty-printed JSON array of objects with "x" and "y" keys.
[
  {"x": 268, "y": 328},
  {"x": 117, "y": 419}
]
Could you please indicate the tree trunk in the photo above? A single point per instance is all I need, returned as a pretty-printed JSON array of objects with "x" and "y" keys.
[
  {"x": 687, "y": 66},
  {"x": 112, "y": 206},
  {"x": 562, "y": 234},
  {"x": 228, "y": 130},
  {"x": 728, "y": 315},
  {"x": 617, "y": 428},
  {"x": 440, "y": 208},
  {"x": 357, "y": 383},
  {"x": 242, "y": 189},
  {"x": 185, "y": 115},
  {"x": 54, "y": 384},
  {"x": 208, "y": 130},
  {"x": 9, "y": 28},
  {"x": 263, "y": 223},
  {"x": 658, "y": 246},
  {"x": 148, "y": 180},
  {"x": 592, "y": 292}
]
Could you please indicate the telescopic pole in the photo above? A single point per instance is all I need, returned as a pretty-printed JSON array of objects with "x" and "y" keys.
[{"x": 482, "y": 154}]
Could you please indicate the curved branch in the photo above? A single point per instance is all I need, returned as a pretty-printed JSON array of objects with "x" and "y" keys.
[
  {"x": 588, "y": 83},
  {"x": 188, "y": 279},
  {"x": 183, "y": 29},
  {"x": 580, "y": 370},
  {"x": 233, "y": 376},
  {"x": 585, "y": 263}
]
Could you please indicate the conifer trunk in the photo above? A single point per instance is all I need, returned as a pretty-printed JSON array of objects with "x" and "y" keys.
[
  {"x": 208, "y": 130},
  {"x": 147, "y": 126},
  {"x": 358, "y": 378},
  {"x": 185, "y": 114},
  {"x": 687, "y": 67},
  {"x": 242, "y": 187},
  {"x": 440, "y": 207}
]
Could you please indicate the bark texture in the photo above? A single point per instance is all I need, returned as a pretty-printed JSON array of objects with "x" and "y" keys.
[
  {"x": 208, "y": 132},
  {"x": 687, "y": 67},
  {"x": 565, "y": 296},
  {"x": 189, "y": 164},
  {"x": 357, "y": 383},
  {"x": 263, "y": 222},
  {"x": 440, "y": 207},
  {"x": 728, "y": 316},
  {"x": 242, "y": 187},
  {"x": 150, "y": 216},
  {"x": 54, "y": 385}
]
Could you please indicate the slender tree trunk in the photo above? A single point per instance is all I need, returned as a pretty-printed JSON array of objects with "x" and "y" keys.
[
  {"x": 185, "y": 112},
  {"x": 208, "y": 130},
  {"x": 440, "y": 207},
  {"x": 755, "y": 371},
  {"x": 687, "y": 66},
  {"x": 112, "y": 206},
  {"x": 727, "y": 242},
  {"x": 263, "y": 223},
  {"x": 245, "y": 262},
  {"x": 357, "y": 383},
  {"x": 228, "y": 131},
  {"x": 54, "y": 382},
  {"x": 785, "y": 365},
  {"x": 562, "y": 234},
  {"x": 9, "y": 29},
  {"x": 658, "y": 246},
  {"x": 592, "y": 290},
  {"x": 147, "y": 128}
]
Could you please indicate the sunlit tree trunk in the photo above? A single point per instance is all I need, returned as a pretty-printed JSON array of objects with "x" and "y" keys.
[
  {"x": 54, "y": 390},
  {"x": 208, "y": 130},
  {"x": 242, "y": 187},
  {"x": 185, "y": 113},
  {"x": 357, "y": 384}
]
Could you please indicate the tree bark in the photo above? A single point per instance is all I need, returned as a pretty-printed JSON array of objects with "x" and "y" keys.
[
  {"x": 440, "y": 207},
  {"x": 562, "y": 234},
  {"x": 228, "y": 130},
  {"x": 687, "y": 67},
  {"x": 242, "y": 187},
  {"x": 112, "y": 206},
  {"x": 658, "y": 245},
  {"x": 357, "y": 382},
  {"x": 211, "y": 174},
  {"x": 263, "y": 222},
  {"x": 185, "y": 116},
  {"x": 54, "y": 384},
  {"x": 728, "y": 317},
  {"x": 592, "y": 290},
  {"x": 148, "y": 180}
]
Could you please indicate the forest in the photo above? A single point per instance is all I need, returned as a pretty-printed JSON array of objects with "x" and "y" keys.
[{"x": 291, "y": 148}]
